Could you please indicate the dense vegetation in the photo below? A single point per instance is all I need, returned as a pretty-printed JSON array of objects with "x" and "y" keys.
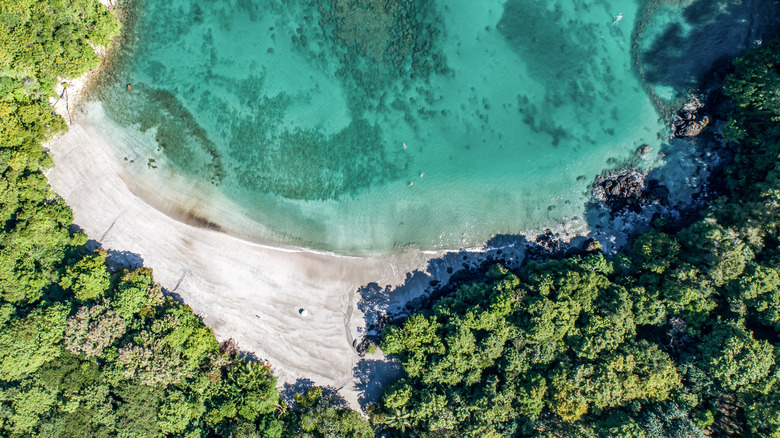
[
  {"x": 85, "y": 351},
  {"x": 678, "y": 338}
]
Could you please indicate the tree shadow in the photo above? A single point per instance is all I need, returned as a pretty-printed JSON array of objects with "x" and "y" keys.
[
  {"x": 384, "y": 305},
  {"x": 300, "y": 386},
  {"x": 710, "y": 32},
  {"x": 303, "y": 385},
  {"x": 124, "y": 259},
  {"x": 686, "y": 178},
  {"x": 115, "y": 260},
  {"x": 371, "y": 375}
]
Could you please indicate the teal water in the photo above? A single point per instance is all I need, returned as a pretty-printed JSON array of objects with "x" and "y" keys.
[{"x": 368, "y": 125}]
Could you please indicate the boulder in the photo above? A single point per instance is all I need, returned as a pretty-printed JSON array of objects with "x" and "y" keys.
[{"x": 690, "y": 120}]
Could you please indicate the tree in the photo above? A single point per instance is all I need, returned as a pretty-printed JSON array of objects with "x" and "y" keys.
[
  {"x": 93, "y": 329},
  {"x": 29, "y": 342},
  {"x": 669, "y": 421},
  {"x": 636, "y": 371},
  {"x": 737, "y": 360},
  {"x": 87, "y": 278},
  {"x": 654, "y": 251},
  {"x": 136, "y": 293},
  {"x": 754, "y": 89},
  {"x": 321, "y": 416}
]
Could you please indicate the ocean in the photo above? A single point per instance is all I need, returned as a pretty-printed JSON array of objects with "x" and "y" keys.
[{"x": 369, "y": 126}]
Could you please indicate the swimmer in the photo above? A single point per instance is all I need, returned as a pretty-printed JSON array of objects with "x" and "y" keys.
[
  {"x": 404, "y": 145},
  {"x": 422, "y": 174},
  {"x": 618, "y": 17},
  {"x": 411, "y": 183}
]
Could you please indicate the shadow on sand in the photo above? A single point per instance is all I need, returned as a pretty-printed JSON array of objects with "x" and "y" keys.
[{"x": 687, "y": 176}]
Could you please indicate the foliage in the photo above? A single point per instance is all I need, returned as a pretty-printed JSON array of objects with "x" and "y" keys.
[
  {"x": 662, "y": 342},
  {"x": 28, "y": 342},
  {"x": 678, "y": 338},
  {"x": 320, "y": 417},
  {"x": 85, "y": 351}
]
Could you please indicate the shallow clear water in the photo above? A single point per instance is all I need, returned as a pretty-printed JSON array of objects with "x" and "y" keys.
[{"x": 370, "y": 125}]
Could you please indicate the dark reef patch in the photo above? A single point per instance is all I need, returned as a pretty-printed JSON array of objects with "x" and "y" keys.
[
  {"x": 560, "y": 54},
  {"x": 179, "y": 136},
  {"x": 554, "y": 50},
  {"x": 306, "y": 164},
  {"x": 380, "y": 42}
]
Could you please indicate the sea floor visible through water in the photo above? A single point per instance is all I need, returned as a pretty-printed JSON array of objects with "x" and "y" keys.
[{"x": 369, "y": 126}]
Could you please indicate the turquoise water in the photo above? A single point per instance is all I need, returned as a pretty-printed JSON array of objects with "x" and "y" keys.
[{"x": 370, "y": 125}]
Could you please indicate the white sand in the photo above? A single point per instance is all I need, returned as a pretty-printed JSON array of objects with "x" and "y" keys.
[{"x": 248, "y": 292}]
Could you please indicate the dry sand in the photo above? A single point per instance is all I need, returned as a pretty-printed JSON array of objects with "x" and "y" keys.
[{"x": 244, "y": 291}]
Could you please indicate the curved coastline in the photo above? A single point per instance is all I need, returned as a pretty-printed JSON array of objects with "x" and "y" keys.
[{"x": 243, "y": 290}]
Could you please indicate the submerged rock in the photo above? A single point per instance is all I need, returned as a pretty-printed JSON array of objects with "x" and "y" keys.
[
  {"x": 690, "y": 120},
  {"x": 643, "y": 150}
]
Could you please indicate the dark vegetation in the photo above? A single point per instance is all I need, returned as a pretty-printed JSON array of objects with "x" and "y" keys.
[
  {"x": 677, "y": 338},
  {"x": 90, "y": 352}
]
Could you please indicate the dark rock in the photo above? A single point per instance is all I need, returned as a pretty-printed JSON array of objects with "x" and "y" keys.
[
  {"x": 434, "y": 282},
  {"x": 620, "y": 189},
  {"x": 363, "y": 346},
  {"x": 690, "y": 120},
  {"x": 657, "y": 191},
  {"x": 592, "y": 245},
  {"x": 643, "y": 150}
]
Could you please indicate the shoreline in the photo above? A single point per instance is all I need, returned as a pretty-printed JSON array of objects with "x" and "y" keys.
[
  {"x": 75, "y": 91},
  {"x": 251, "y": 292},
  {"x": 242, "y": 290}
]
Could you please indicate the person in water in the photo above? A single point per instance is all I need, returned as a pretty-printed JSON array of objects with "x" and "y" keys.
[{"x": 618, "y": 17}]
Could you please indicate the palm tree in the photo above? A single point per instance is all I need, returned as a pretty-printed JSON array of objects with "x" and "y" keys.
[{"x": 399, "y": 419}]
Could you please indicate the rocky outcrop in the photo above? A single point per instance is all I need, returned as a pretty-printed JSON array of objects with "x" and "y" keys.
[
  {"x": 628, "y": 189},
  {"x": 690, "y": 120}
]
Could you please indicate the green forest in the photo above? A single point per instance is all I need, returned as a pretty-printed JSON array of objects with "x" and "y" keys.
[
  {"x": 677, "y": 338},
  {"x": 86, "y": 352}
]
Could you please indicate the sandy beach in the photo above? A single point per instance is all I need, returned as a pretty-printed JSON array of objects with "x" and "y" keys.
[{"x": 244, "y": 291}]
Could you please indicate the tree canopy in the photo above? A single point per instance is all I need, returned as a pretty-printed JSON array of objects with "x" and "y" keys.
[
  {"x": 679, "y": 337},
  {"x": 86, "y": 351}
]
